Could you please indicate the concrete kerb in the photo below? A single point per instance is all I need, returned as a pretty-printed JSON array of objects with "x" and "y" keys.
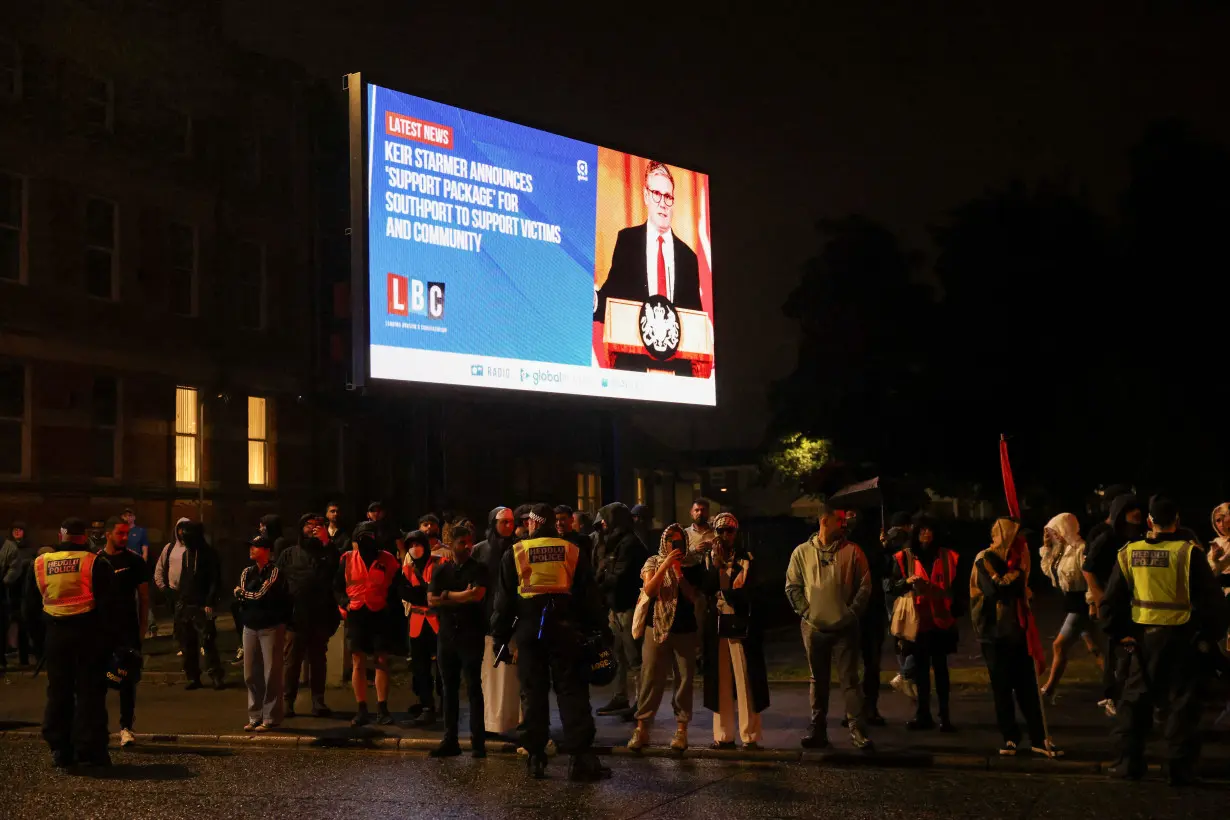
[{"x": 1026, "y": 764}]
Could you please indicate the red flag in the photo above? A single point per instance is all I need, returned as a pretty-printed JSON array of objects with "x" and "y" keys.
[{"x": 1024, "y": 613}]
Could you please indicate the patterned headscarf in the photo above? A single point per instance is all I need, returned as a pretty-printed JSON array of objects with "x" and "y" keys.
[
  {"x": 724, "y": 519},
  {"x": 668, "y": 594}
]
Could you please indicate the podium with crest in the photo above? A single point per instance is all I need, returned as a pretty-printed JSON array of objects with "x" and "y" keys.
[{"x": 658, "y": 335}]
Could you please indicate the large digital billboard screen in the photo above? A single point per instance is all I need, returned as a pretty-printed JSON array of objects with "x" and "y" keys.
[{"x": 502, "y": 256}]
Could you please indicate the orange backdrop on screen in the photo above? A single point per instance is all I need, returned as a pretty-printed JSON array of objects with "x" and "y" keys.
[{"x": 621, "y": 204}]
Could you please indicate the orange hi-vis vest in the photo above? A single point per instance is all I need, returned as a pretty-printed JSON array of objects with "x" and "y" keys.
[
  {"x": 934, "y": 608},
  {"x": 418, "y": 614},
  {"x": 545, "y": 566},
  {"x": 66, "y": 581},
  {"x": 369, "y": 586}
]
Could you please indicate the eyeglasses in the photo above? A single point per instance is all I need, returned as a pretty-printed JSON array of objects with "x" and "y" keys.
[
  {"x": 661, "y": 196},
  {"x": 726, "y": 530}
]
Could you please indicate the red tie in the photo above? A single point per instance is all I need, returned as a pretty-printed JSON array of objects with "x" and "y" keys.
[{"x": 661, "y": 271}]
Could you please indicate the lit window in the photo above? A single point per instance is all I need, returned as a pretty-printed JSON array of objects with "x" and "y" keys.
[
  {"x": 187, "y": 470},
  {"x": 250, "y": 296},
  {"x": 182, "y": 255},
  {"x": 258, "y": 442},
  {"x": 100, "y": 227},
  {"x": 14, "y": 420},
  {"x": 589, "y": 491},
  {"x": 12, "y": 227},
  {"x": 105, "y": 433}
]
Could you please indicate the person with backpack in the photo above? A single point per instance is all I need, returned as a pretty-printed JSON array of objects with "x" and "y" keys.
[{"x": 1061, "y": 558}]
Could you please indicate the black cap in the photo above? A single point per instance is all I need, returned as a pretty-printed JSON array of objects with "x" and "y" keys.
[
  {"x": 375, "y": 506},
  {"x": 72, "y": 526},
  {"x": 128, "y": 511},
  {"x": 366, "y": 529},
  {"x": 260, "y": 542}
]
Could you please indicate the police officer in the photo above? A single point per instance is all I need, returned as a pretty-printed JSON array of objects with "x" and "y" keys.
[
  {"x": 1165, "y": 609},
  {"x": 546, "y": 587},
  {"x": 68, "y": 584}
]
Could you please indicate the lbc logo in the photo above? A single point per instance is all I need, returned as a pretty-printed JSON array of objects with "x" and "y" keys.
[{"x": 408, "y": 296}]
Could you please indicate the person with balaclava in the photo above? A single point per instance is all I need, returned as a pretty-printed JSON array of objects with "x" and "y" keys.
[
  {"x": 16, "y": 561},
  {"x": 501, "y": 690},
  {"x": 309, "y": 569},
  {"x": 362, "y": 588},
  {"x": 200, "y": 579},
  {"x": 547, "y": 599},
  {"x": 418, "y": 569},
  {"x": 619, "y": 578},
  {"x": 1061, "y": 559}
]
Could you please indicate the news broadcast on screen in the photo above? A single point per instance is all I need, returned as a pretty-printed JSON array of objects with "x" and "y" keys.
[{"x": 501, "y": 256}]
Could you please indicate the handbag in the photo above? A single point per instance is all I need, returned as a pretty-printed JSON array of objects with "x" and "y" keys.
[
  {"x": 732, "y": 625},
  {"x": 904, "y": 624}
]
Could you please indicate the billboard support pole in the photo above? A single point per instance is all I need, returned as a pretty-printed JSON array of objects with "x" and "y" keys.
[{"x": 610, "y": 456}]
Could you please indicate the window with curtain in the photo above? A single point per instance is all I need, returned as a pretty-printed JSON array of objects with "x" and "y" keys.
[
  {"x": 187, "y": 470},
  {"x": 258, "y": 441}
]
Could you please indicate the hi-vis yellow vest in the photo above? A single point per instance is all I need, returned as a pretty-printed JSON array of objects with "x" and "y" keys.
[
  {"x": 1158, "y": 575},
  {"x": 65, "y": 580},
  {"x": 545, "y": 566}
]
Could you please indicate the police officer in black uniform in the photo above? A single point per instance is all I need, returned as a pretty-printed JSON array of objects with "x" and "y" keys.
[
  {"x": 1163, "y": 606},
  {"x": 546, "y": 587},
  {"x": 67, "y": 585}
]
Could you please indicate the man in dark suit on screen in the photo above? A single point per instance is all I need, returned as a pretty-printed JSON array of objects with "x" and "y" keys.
[{"x": 649, "y": 259}]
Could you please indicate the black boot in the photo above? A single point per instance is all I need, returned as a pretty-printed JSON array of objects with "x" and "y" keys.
[
  {"x": 616, "y": 705},
  {"x": 383, "y": 716},
  {"x": 817, "y": 737},
  {"x": 362, "y": 717},
  {"x": 587, "y": 768},
  {"x": 449, "y": 747},
  {"x": 63, "y": 758},
  {"x": 537, "y": 764}
]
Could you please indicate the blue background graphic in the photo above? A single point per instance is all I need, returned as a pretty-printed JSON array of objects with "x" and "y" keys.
[{"x": 518, "y": 298}]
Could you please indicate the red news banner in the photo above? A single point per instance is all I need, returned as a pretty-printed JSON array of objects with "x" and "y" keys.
[{"x": 399, "y": 125}]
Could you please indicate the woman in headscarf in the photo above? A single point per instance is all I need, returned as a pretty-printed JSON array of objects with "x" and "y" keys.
[
  {"x": 928, "y": 571},
  {"x": 671, "y": 635},
  {"x": 1219, "y": 549},
  {"x": 1061, "y": 558},
  {"x": 734, "y": 649},
  {"x": 501, "y": 691}
]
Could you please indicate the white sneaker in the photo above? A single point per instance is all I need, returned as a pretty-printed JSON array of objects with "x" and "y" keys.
[
  {"x": 1108, "y": 706},
  {"x": 905, "y": 687},
  {"x": 127, "y": 738},
  {"x": 179, "y": 654}
]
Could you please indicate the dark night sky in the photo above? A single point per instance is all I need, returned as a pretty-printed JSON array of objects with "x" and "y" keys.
[{"x": 892, "y": 110}]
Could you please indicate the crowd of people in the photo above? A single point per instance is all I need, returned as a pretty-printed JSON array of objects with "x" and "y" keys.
[{"x": 524, "y": 611}]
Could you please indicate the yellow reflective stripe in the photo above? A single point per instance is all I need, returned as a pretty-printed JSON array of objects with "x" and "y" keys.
[{"x": 1160, "y": 605}]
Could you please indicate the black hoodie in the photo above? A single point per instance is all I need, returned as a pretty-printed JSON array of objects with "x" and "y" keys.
[
  {"x": 491, "y": 552},
  {"x": 623, "y": 557},
  {"x": 309, "y": 569},
  {"x": 16, "y": 558},
  {"x": 201, "y": 576},
  {"x": 1101, "y": 553}
]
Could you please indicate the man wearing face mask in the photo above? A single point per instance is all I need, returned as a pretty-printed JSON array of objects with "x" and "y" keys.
[
  {"x": 97, "y": 535},
  {"x": 362, "y": 589},
  {"x": 457, "y": 592},
  {"x": 1126, "y": 524},
  {"x": 501, "y": 691},
  {"x": 309, "y": 569},
  {"x": 619, "y": 578},
  {"x": 419, "y": 570},
  {"x": 546, "y": 592}
]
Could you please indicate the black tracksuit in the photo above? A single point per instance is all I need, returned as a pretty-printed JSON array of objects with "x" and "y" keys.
[
  {"x": 199, "y": 582},
  {"x": 1165, "y": 667},
  {"x": 550, "y": 652},
  {"x": 76, "y": 654},
  {"x": 310, "y": 569}
]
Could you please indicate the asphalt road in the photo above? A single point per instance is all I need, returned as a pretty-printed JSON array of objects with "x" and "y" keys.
[{"x": 169, "y": 783}]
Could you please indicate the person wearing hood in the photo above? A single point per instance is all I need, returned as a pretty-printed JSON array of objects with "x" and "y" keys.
[
  {"x": 733, "y": 640},
  {"x": 309, "y": 569},
  {"x": 928, "y": 572},
  {"x": 547, "y": 600},
  {"x": 200, "y": 580},
  {"x": 619, "y": 578},
  {"x": 418, "y": 569},
  {"x": 170, "y": 561},
  {"x": 96, "y": 536},
  {"x": 270, "y": 527},
  {"x": 642, "y": 524},
  {"x": 671, "y": 586},
  {"x": 828, "y": 585},
  {"x": 1061, "y": 559},
  {"x": 501, "y": 690},
  {"x": 999, "y": 590},
  {"x": 363, "y": 588},
  {"x": 1126, "y": 524},
  {"x": 16, "y": 561},
  {"x": 1164, "y": 606}
]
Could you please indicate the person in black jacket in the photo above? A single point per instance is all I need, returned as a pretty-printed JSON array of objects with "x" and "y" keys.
[
  {"x": 16, "y": 558},
  {"x": 309, "y": 569},
  {"x": 195, "y": 605},
  {"x": 265, "y": 606},
  {"x": 501, "y": 690},
  {"x": 1126, "y": 525},
  {"x": 619, "y": 577}
]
